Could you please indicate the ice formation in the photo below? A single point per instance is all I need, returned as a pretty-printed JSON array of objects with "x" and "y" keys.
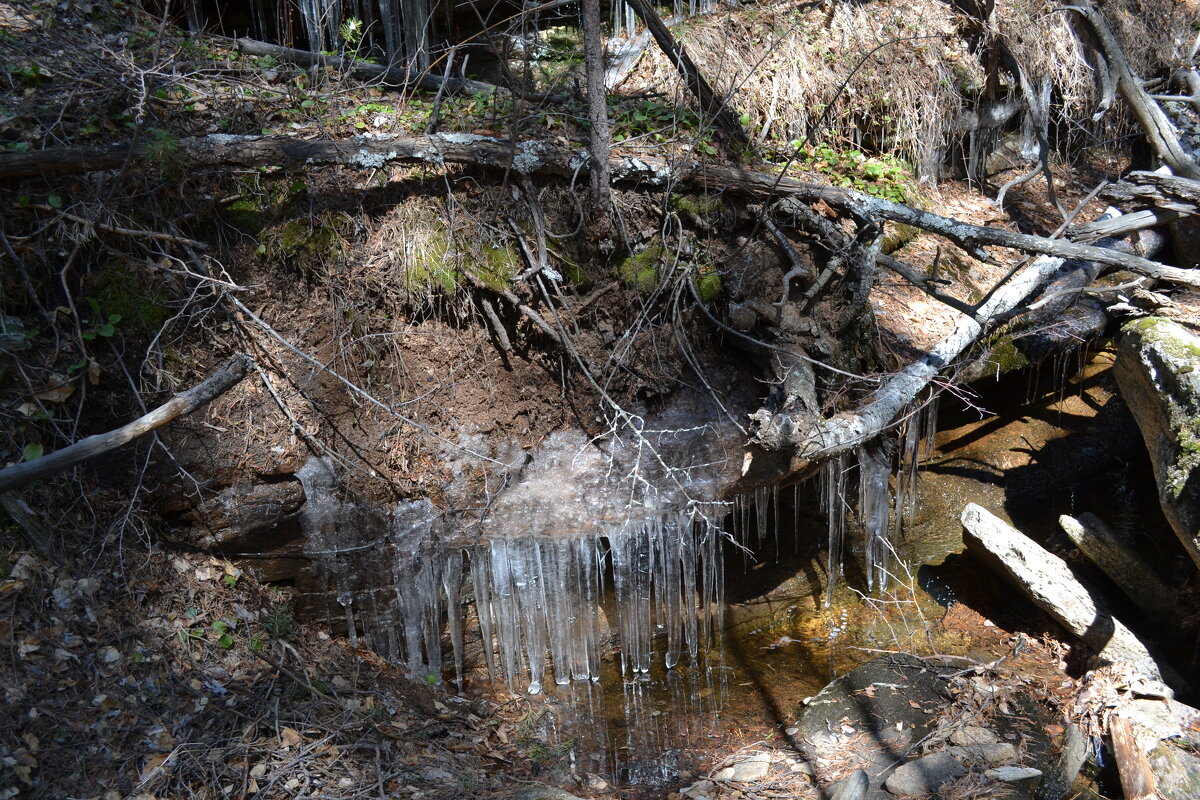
[{"x": 574, "y": 552}]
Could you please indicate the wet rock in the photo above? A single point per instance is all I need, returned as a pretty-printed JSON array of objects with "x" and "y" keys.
[
  {"x": 1158, "y": 370},
  {"x": 924, "y": 775}
]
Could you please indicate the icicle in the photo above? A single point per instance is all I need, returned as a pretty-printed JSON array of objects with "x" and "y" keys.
[
  {"x": 874, "y": 505},
  {"x": 528, "y": 582},
  {"x": 833, "y": 492},
  {"x": 561, "y": 597},
  {"x": 505, "y": 614},
  {"x": 346, "y": 601},
  {"x": 452, "y": 579}
]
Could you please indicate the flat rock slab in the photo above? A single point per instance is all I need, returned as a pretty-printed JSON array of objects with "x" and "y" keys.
[
  {"x": 874, "y": 713},
  {"x": 925, "y": 775},
  {"x": 752, "y": 769}
]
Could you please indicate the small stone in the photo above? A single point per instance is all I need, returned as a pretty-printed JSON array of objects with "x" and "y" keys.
[
  {"x": 1010, "y": 774},
  {"x": 752, "y": 769},
  {"x": 924, "y": 775},
  {"x": 804, "y": 768},
  {"x": 725, "y": 774},
  {"x": 973, "y": 734}
]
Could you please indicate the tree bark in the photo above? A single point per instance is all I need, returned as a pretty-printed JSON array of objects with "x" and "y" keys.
[
  {"x": 182, "y": 404},
  {"x": 600, "y": 178},
  {"x": 711, "y": 105}
]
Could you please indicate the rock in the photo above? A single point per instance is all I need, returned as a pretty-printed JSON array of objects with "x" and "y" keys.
[
  {"x": 972, "y": 734},
  {"x": 990, "y": 754},
  {"x": 752, "y": 769},
  {"x": 893, "y": 700},
  {"x": 1012, "y": 774},
  {"x": 924, "y": 775},
  {"x": 1158, "y": 370},
  {"x": 852, "y": 788},
  {"x": 700, "y": 789},
  {"x": 1123, "y": 564},
  {"x": 1058, "y": 779},
  {"x": 250, "y": 517},
  {"x": 540, "y": 791},
  {"x": 1176, "y": 767},
  {"x": 1051, "y": 585}
]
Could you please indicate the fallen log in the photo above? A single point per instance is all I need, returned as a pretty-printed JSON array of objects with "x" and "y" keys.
[
  {"x": 539, "y": 157},
  {"x": 1050, "y": 584},
  {"x": 180, "y": 405},
  {"x": 1137, "y": 780},
  {"x": 1123, "y": 564}
]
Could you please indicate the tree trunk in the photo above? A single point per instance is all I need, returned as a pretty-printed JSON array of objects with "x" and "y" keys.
[
  {"x": 600, "y": 178},
  {"x": 711, "y": 105}
]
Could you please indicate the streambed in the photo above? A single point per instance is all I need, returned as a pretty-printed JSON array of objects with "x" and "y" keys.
[{"x": 735, "y": 599}]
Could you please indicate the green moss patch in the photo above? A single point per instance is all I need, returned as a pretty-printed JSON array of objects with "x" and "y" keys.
[{"x": 641, "y": 270}]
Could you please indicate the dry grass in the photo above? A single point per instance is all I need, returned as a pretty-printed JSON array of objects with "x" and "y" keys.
[{"x": 909, "y": 70}]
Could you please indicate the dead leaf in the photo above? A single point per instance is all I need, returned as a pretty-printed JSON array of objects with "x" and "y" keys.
[
  {"x": 290, "y": 737},
  {"x": 824, "y": 209},
  {"x": 57, "y": 389}
]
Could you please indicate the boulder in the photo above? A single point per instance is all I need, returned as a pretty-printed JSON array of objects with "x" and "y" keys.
[
  {"x": 1158, "y": 370},
  {"x": 1176, "y": 767}
]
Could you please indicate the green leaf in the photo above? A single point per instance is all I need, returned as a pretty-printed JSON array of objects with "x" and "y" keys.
[
  {"x": 138, "y": 657},
  {"x": 226, "y": 641},
  {"x": 24, "y": 201},
  {"x": 256, "y": 645},
  {"x": 192, "y": 613},
  {"x": 113, "y": 319},
  {"x": 308, "y": 104},
  {"x": 745, "y": 120},
  {"x": 220, "y": 626},
  {"x": 106, "y": 330},
  {"x": 78, "y": 365},
  {"x": 33, "y": 451},
  {"x": 54, "y": 201}
]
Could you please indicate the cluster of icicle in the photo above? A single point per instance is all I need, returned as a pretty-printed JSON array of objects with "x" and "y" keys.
[
  {"x": 880, "y": 514},
  {"x": 537, "y": 598}
]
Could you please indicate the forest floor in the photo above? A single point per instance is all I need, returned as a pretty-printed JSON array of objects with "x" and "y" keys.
[{"x": 140, "y": 668}]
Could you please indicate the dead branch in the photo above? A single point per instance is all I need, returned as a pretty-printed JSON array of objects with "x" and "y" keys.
[
  {"x": 182, "y": 404},
  {"x": 1158, "y": 129}
]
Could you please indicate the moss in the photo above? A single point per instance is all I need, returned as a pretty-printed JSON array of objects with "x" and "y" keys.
[
  {"x": 697, "y": 206},
  {"x": 433, "y": 268},
  {"x": 306, "y": 243},
  {"x": 120, "y": 290},
  {"x": 641, "y": 270},
  {"x": 248, "y": 214},
  {"x": 708, "y": 285},
  {"x": 497, "y": 267},
  {"x": 1004, "y": 357},
  {"x": 897, "y": 236}
]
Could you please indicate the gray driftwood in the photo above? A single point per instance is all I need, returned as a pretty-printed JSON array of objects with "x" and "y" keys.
[
  {"x": 210, "y": 388},
  {"x": 1049, "y": 582}
]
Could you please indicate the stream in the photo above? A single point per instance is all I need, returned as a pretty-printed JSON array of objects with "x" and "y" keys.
[{"x": 645, "y": 626}]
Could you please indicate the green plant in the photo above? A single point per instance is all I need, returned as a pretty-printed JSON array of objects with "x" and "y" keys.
[
  {"x": 351, "y": 31},
  {"x": 280, "y": 624},
  {"x": 105, "y": 327},
  {"x": 224, "y": 634},
  {"x": 883, "y": 176},
  {"x": 707, "y": 283},
  {"x": 641, "y": 270}
]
